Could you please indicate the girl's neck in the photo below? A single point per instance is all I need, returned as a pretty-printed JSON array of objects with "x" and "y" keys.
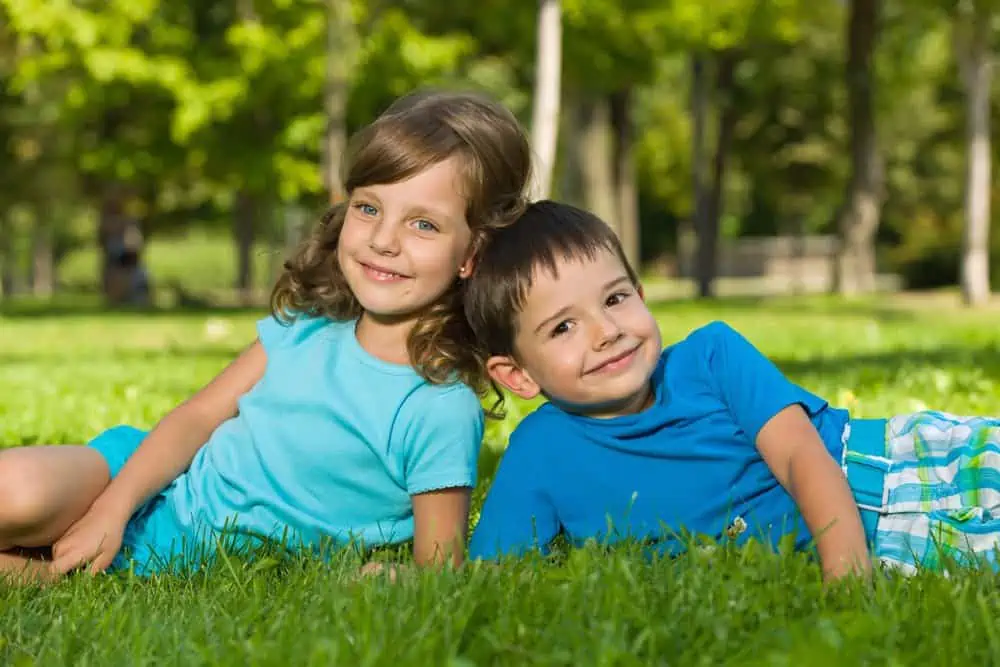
[{"x": 385, "y": 339}]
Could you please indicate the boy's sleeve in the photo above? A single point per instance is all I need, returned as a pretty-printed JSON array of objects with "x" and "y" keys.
[
  {"x": 751, "y": 385},
  {"x": 442, "y": 438},
  {"x": 517, "y": 515}
]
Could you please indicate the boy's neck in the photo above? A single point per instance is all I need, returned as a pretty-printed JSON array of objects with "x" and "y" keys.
[
  {"x": 629, "y": 406},
  {"x": 385, "y": 338}
]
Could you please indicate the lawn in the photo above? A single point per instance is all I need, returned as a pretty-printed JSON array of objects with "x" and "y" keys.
[{"x": 69, "y": 372}]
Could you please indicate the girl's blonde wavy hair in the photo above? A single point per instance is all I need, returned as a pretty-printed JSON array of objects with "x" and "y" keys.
[{"x": 416, "y": 132}]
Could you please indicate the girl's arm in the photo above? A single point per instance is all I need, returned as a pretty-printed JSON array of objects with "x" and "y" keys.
[
  {"x": 440, "y": 525},
  {"x": 169, "y": 448},
  {"x": 163, "y": 455},
  {"x": 793, "y": 450}
]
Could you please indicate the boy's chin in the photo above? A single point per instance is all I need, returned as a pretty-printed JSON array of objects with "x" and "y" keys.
[{"x": 604, "y": 409}]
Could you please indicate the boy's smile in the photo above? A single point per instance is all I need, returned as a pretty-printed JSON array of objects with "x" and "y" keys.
[{"x": 585, "y": 338}]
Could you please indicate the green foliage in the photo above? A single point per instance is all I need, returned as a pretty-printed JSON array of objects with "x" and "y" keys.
[{"x": 184, "y": 105}]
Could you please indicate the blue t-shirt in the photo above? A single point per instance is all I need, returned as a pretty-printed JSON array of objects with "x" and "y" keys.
[
  {"x": 686, "y": 465},
  {"x": 330, "y": 443}
]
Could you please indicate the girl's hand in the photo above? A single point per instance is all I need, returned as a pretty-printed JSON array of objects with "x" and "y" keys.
[
  {"x": 91, "y": 542},
  {"x": 374, "y": 568}
]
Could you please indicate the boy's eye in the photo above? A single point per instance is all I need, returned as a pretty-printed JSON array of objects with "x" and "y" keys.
[
  {"x": 366, "y": 209},
  {"x": 425, "y": 226},
  {"x": 617, "y": 298},
  {"x": 561, "y": 328}
]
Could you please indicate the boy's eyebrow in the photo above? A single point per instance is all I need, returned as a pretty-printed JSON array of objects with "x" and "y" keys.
[
  {"x": 565, "y": 309},
  {"x": 617, "y": 281},
  {"x": 554, "y": 316}
]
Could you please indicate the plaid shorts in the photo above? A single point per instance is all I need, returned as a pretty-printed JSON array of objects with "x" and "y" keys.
[{"x": 928, "y": 487}]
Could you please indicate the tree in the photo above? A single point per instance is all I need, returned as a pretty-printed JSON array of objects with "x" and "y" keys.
[
  {"x": 341, "y": 60},
  {"x": 858, "y": 217},
  {"x": 545, "y": 117},
  {"x": 973, "y": 34},
  {"x": 723, "y": 36}
]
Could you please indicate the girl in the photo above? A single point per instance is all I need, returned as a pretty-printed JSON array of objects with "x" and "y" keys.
[{"x": 352, "y": 417}]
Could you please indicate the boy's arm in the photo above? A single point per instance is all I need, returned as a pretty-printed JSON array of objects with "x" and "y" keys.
[
  {"x": 517, "y": 514},
  {"x": 796, "y": 455},
  {"x": 774, "y": 413}
]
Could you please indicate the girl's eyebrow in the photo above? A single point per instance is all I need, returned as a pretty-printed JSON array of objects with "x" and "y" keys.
[
  {"x": 430, "y": 212},
  {"x": 365, "y": 194}
]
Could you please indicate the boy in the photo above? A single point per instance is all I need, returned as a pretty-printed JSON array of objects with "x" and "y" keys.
[{"x": 706, "y": 436}]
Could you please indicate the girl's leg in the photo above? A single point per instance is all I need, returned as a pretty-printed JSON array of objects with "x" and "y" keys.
[
  {"x": 44, "y": 490},
  {"x": 22, "y": 567}
]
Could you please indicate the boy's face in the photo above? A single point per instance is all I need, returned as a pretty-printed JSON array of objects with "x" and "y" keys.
[{"x": 586, "y": 340}]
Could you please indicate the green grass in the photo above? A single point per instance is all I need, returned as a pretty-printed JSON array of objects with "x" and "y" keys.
[{"x": 71, "y": 372}]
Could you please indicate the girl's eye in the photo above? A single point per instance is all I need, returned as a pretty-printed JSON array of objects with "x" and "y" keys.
[
  {"x": 366, "y": 209},
  {"x": 425, "y": 226},
  {"x": 561, "y": 328},
  {"x": 617, "y": 298}
]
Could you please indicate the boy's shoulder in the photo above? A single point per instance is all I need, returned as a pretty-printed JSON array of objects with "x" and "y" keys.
[
  {"x": 709, "y": 334},
  {"x": 700, "y": 344},
  {"x": 542, "y": 425}
]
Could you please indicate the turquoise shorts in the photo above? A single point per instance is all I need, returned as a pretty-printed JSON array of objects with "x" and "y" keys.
[
  {"x": 928, "y": 488},
  {"x": 152, "y": 536}
]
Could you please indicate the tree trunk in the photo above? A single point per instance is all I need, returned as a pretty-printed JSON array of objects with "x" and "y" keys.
[
  {"x": 6, "y": 257},
  {"x": 121, "y": 244},
  {"x": 545, "y": 113},
  {"x": 42, "y": 257},
  {"x": 687, "y": 232},
  {"x": 244, "y": 228},
  {"x": 624, "y": 166},
  {"x": 858, "y": 217},
  {"x": 977, "y": 71},
  {"x": 341, "y": 49},
  {"x": 708, "y": 232},
  {"x": 596, "y": 159}
]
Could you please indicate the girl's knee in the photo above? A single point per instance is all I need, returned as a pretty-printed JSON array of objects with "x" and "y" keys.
[{"x": 22, "y": 496}]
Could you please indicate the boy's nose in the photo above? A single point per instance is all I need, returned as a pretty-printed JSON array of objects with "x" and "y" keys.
[{"x": 607, "y": 331}]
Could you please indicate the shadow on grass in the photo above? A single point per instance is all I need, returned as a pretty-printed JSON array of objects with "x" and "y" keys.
[
  {"x": 878, "y": 307},
  {"x": 93, "y": 306},
  {"x": 207, "y": 352},
  {"x": 986, "y": 357}
]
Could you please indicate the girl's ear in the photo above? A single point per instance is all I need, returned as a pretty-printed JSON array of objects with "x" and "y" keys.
[
  {"x": 642, "y": 292},
  {"x": 466, "y": 268},
  {"x": 508, "y": 374}
]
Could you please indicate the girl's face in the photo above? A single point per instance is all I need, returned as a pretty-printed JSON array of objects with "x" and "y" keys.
[{"x": 404, "y": 244}]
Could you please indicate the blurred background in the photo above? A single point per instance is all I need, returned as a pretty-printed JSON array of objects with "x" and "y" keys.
[{"x": 169, "y": 153}]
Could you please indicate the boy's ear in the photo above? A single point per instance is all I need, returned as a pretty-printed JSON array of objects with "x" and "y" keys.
[{"x": 508, "y": 374}]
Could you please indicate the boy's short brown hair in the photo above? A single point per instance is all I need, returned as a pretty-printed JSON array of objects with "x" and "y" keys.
[{"x": 544, "y": 234}]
